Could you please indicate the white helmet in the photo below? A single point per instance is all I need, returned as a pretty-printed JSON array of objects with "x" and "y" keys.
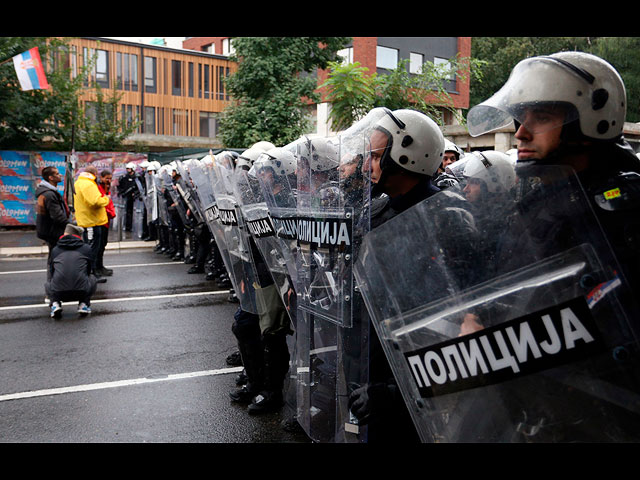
[
  {"x": 154, "y": 166},
  {"x": 452, "y": 147},
  {"x": 246, "y": 158},
  {"x": 262, "y": 145},
  {"x": 144, "y": 164},
  {"x": 589, "y": 86},
  {"x": 417, "y": 143},
  {"x": 321, "y": 153},
  {"x": 130, "y": 165},
  {"x": 494, "y": 168},
  {"x": 282, "y": 161}
]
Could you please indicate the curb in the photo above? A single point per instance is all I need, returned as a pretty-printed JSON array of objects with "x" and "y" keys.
[{"x": 43, "y": 249}]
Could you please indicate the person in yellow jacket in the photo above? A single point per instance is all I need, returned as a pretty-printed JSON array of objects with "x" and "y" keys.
[{"x": 90, "y": 210}]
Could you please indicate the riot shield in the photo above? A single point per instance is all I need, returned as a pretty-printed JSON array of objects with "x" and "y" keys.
[
  {"x": 236, "y": 238},
  {"x": 176, "y": 198},
  {"x": 151, "y": 199},
  {"x": 332, "y": 214},
  {"x": 163, "y": 208},
  {"x": 202, "y": 178},
  {"x": 185, "y": 188},
  {"x": 261, "y": 228},
  {"x": 515, "y": 325}
]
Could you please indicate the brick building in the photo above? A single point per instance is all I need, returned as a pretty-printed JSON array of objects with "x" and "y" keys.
[{"x": 378, "y": 54}]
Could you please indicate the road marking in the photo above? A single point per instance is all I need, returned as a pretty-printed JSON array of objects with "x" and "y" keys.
[
  {"x": 116, "y": 384},
  {"x": 125, "y": 299},
  {"x": 111, "y": 266}
]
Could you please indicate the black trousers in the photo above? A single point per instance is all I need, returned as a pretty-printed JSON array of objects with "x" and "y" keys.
[
  {"x": 104, "y": 239},
  {"x": 81, "y": 296},
  {"x": 93, "y": 236}
]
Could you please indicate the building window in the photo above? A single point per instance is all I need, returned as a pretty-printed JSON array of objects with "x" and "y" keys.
[
  {"x": 100, "y": 71},
  {"x": 210, "y": 48},
  {"x": 446, "y": 66},
  {"x": 227, "y": 47},
  {"x": 179, "y": 121},
  {"x": 208, "y": 125},
  {"x": 386, "y": 58},
  {"x": 176, "y": 77},
  {"x": 191, "y": 79},
  {"x": 150, "y": 120},
  {"x": 127, "y": 71},
  {"x": 415, "y": 62},
  {"x": 133, "y": 70},
  {"x": 207, "y": 81},
  {"x": 95, "y": 112},
  {"x": 346, "y": 54},
  {"x": 150, "y": 75}
]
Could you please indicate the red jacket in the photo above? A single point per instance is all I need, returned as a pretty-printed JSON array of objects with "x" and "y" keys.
[{"x": 111, "y": 209}]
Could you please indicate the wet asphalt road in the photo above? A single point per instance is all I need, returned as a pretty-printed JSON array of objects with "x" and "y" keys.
[{"x": 147, "y": 365}]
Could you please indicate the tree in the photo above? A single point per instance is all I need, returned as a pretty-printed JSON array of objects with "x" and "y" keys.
[
  {"x": 28, "y": 118},
  {"x": 273, "y": 87},
  {"x": 33, "y": 119},
  {"x": 623, "y": 53},
  {"x": 352, "y": 92}
]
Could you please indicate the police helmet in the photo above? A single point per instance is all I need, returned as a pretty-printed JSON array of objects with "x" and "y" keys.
[
  {"x": 247, "y": 158},
  {"x": 262, "y": 145},
  {"x": 587, "y": 89},
  {"x": 415, "y": 143},
  {"x": 494, "y": 168},
  {"x": 449, "y": 146},
  {"x": 283, "y": 162}
]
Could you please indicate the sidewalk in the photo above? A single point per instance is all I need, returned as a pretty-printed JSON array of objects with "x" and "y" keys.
[{"x": 23, "y": 241}]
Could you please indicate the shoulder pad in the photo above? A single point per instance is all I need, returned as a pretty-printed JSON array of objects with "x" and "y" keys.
[{"x": 621, "y": 192}]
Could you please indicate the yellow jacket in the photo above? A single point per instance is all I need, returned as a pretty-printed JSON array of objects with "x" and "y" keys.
[{"x": 89, "y": 202}]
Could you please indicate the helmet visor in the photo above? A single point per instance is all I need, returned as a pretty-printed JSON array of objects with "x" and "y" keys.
[{"x": 540, "y": 94}]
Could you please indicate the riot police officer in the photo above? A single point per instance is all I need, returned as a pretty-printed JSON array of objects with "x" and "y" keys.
[
  {"x": 406, "y": 149},
  {"x": 569, "y": 110},
  {"x": 128, "y": 190}
]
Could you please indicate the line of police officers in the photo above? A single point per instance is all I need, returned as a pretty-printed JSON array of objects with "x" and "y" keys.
[{"x": 392, "y": 288}]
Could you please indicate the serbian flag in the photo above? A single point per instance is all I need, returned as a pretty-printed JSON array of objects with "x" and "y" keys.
[{"x": 30, "y": 70}]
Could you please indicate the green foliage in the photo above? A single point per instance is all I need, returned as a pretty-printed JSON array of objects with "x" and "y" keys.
[
  {"x": 353, "y": 93},
  {"x": 624, "y": 54},
  {"x": 103, "y": 130},
  {"x": 33, "y": 119},
  {"x": 273, "y": 86}
]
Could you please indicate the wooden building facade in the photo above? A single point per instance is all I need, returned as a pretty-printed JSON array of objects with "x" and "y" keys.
[{"x": 172, "y": 92}]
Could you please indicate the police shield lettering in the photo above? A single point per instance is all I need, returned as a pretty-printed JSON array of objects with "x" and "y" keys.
[
  {"x": 561, "y": 334},
  {"x": 509, "y": 327}
]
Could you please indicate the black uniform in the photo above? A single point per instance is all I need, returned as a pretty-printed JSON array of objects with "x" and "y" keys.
[{"x": 128, "y": 190}]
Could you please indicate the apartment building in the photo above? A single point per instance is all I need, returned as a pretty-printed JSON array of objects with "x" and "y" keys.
[
  {"x": 176, "y": 93},
  {"x": 378, "y": 54}
]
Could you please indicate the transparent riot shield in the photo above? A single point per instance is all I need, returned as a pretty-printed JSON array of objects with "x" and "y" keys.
[
  {"x": 236, "y": 235},
  {"x": 513, "y": 325},
  {"x": 332, "y": 214},
  {"x": 163, "y": 208},
  {"x": 261, "y": 228},
  {"x": 176, "y": 198},
  {"x": 202, "y": 176},
  {"x": 277, "y": 188},
  {"x": 185, "y": 188},
  {"x": 151, "y": 199}
]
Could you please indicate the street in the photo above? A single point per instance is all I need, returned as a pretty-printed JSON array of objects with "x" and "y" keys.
[{"x": 147, "y": 365}]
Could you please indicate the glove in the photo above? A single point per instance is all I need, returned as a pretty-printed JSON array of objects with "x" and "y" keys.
[{"x": 371, "y": 401}]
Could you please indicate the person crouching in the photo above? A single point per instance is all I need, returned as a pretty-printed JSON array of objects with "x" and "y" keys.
[{"x": 70, "y": 273}]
